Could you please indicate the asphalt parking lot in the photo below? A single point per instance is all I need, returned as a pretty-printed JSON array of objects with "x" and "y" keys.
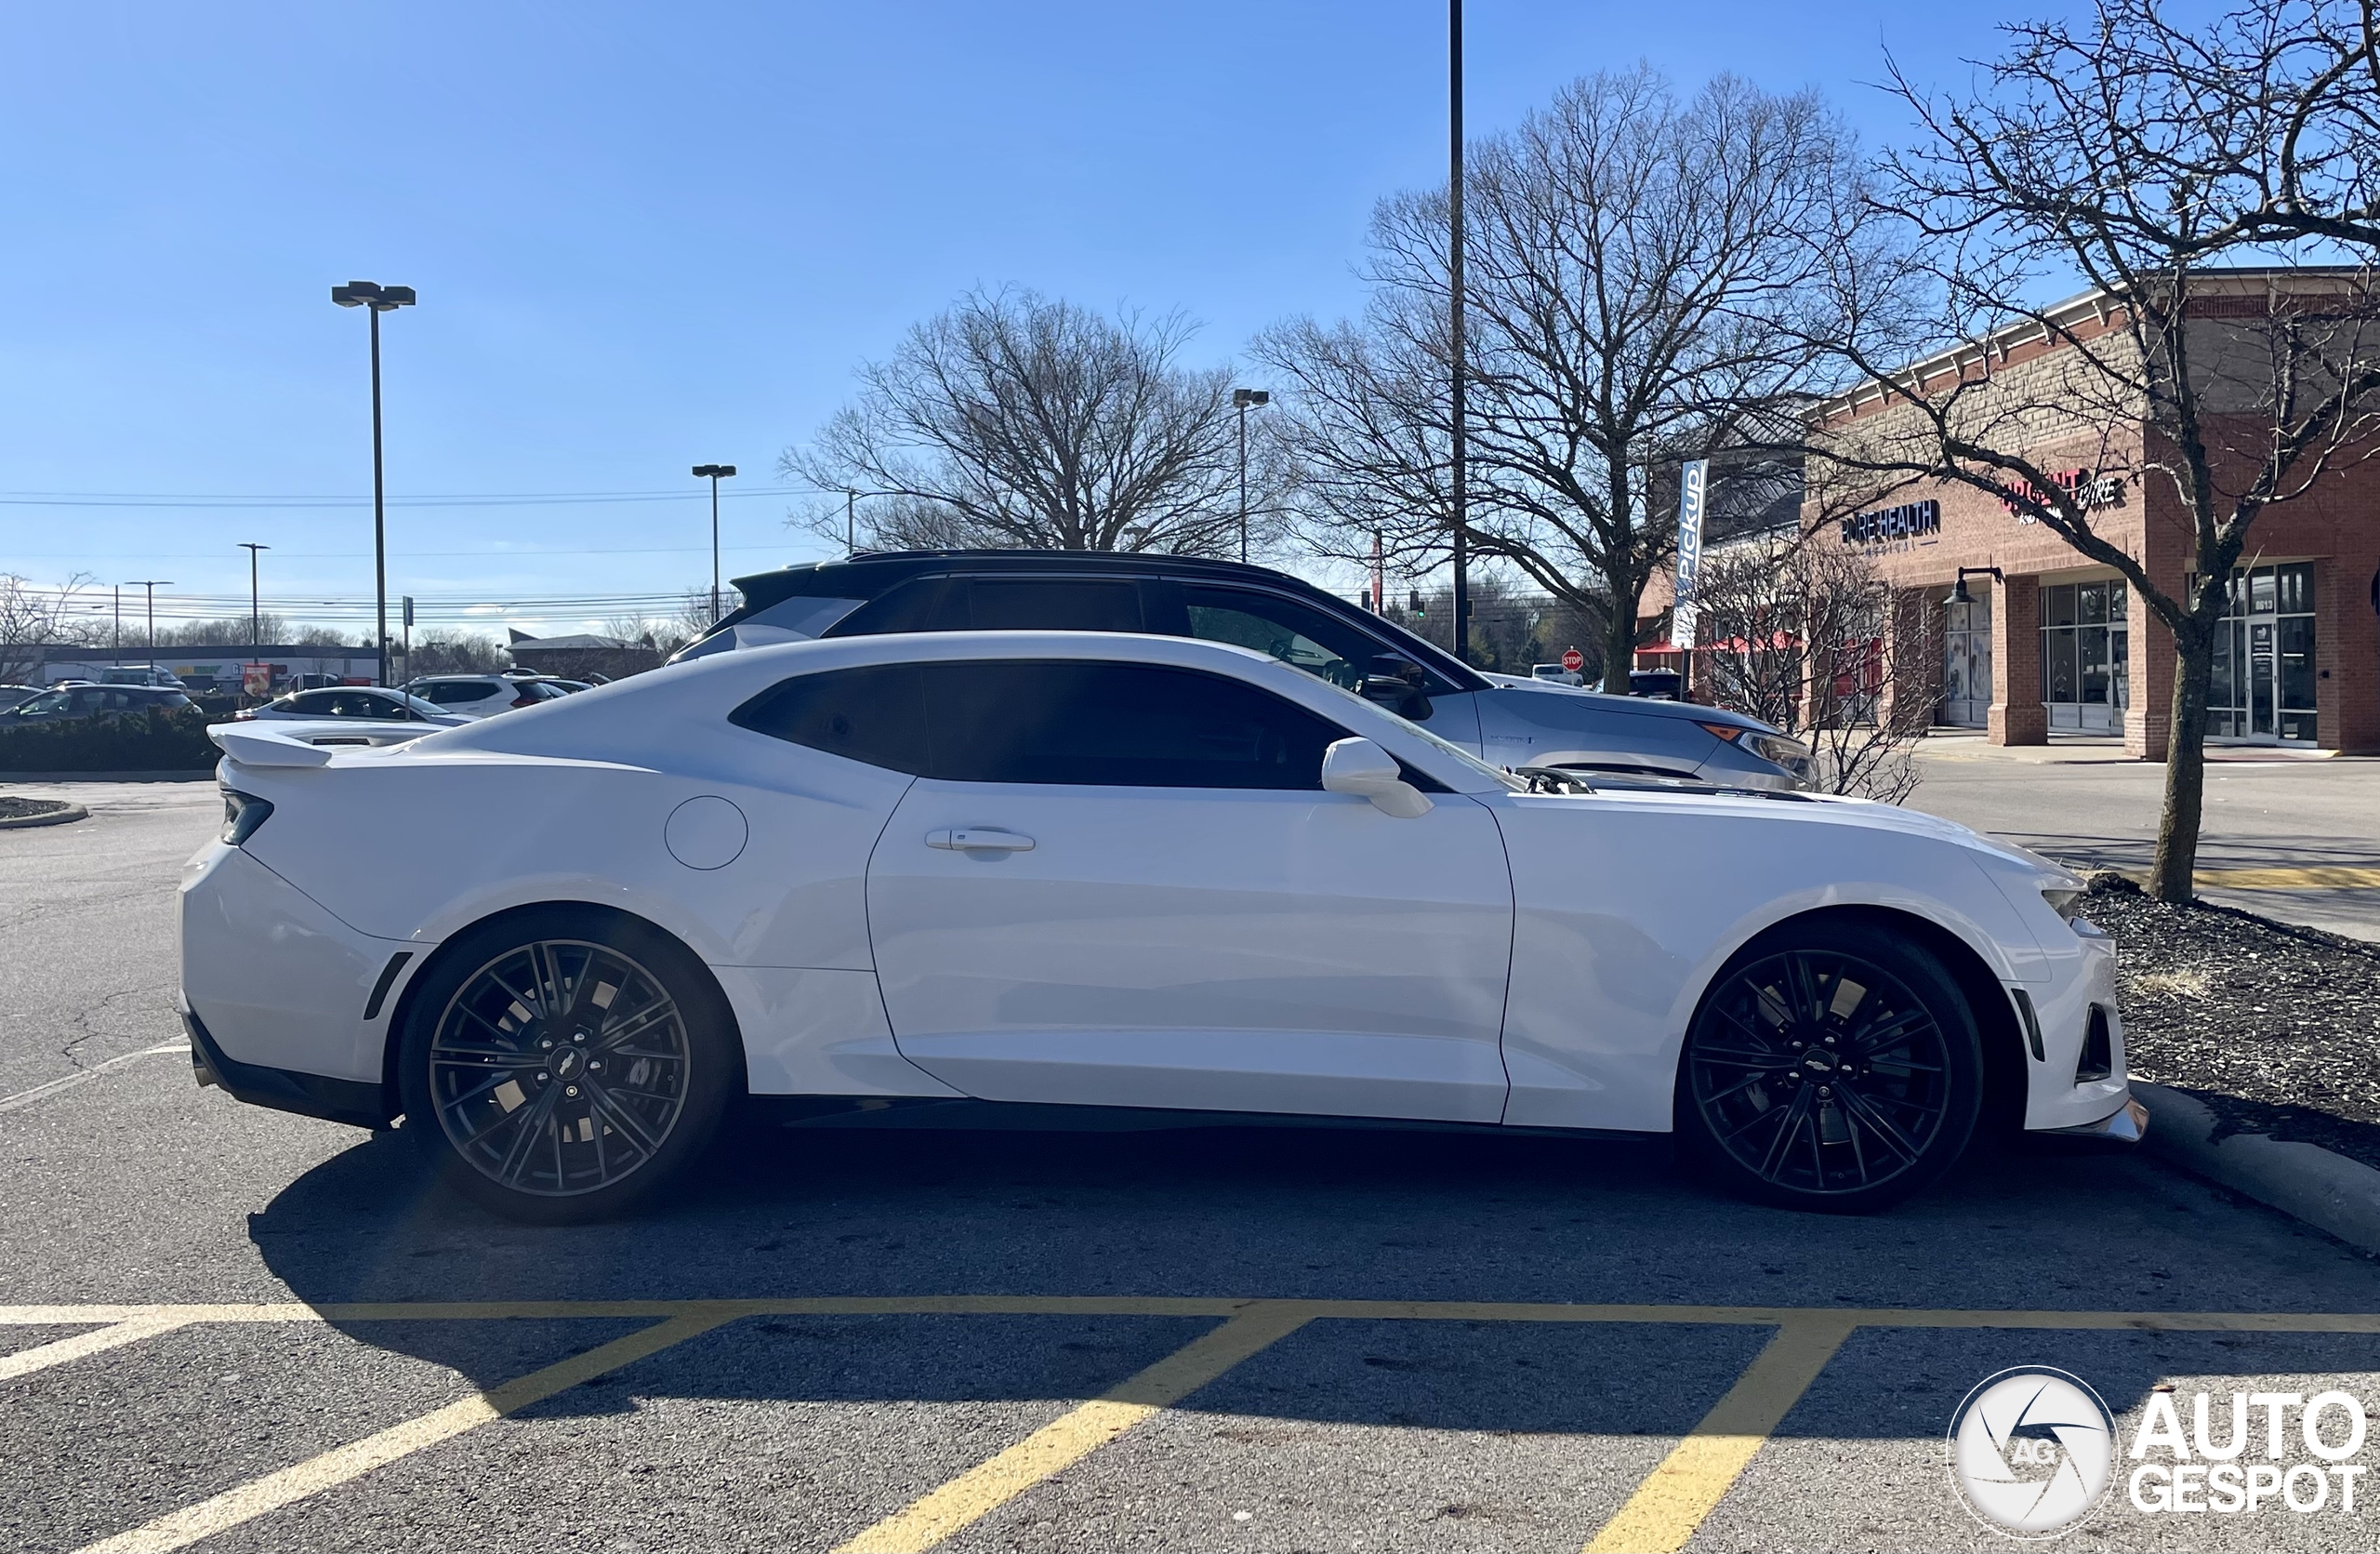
[{"x": 237, "y": 1329}]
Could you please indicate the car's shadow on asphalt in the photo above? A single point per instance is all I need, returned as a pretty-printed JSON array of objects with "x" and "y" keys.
[{"x": 1321, "y": 1213}]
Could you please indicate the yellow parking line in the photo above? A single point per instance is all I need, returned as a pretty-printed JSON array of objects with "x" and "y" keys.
[
  {"x": 179, "y": 1528},
  {"x": 1067, "y": 1440},
  {"x": 131, "y": 1330},
  {"x": 2318, "y": 877},
  {"x": 1692, "y": 1479}
]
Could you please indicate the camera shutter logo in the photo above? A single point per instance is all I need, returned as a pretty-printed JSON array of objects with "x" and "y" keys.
[{"x": 2032, "y": 1451}]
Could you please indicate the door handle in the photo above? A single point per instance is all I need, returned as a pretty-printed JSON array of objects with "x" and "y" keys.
[{"x": 978, "y": 839}]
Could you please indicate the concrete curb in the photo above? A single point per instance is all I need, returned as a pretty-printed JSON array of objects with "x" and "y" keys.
[
  {"x": 50, "y": 817},
  {"x": 2329, "y": 1191}
]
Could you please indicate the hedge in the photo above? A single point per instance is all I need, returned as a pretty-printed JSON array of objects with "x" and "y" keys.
[{"x": 159, "y": 740}]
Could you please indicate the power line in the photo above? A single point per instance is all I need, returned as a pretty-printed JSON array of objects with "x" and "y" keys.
[{"x": 316, "y": 501}]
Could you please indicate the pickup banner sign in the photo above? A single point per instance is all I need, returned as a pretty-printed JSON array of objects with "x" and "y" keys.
[{"x": 1693, "y": 485}]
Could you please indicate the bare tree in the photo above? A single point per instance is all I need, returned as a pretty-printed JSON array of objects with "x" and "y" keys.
[
  {"x": 1017, "y": 420},
  {"x": 2223, "y": 390},
  {"x": 1803, "y": 633},
  {"x": 446, "y": 652},
  {"x": 33, "y": 618},
  {"x": 1647, "y": 281}
]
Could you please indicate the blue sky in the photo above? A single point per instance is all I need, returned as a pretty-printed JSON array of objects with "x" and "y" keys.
[{"x": 649, "y": 236}]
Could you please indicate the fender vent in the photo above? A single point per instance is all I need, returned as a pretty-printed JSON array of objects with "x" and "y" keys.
[
  {"x": 388, "y": 980},
  {"x": 2032, "y": 1024},
  {"x": 2098, "y": 1049}
]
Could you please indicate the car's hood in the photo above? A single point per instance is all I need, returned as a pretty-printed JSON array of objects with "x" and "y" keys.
[
  {"x": 1639, "y": 706},
  {"x": 1885, "y": 816}
]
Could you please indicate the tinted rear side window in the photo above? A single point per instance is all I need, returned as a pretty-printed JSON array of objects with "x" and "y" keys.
[
  {"x": 876, "y": 714},
  {"x": 1134, "y": 725},
  {"x": 1052, "y": 605}
]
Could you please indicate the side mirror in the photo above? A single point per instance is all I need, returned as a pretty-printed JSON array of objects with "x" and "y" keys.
[
  {"x": 1361, "y": 766},
  {"x": 1396, "y": 682}
]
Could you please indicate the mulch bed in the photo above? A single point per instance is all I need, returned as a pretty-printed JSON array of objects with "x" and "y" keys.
[
  {"x": 2277, "y": 1029},
  {"x": 14, "y": 808}
]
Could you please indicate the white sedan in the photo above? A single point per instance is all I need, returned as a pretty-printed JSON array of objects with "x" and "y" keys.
[{"x": 1106, "y": 870}]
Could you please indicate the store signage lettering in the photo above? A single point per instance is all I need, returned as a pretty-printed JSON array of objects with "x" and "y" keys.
[
  {"x": 2089, "y": 489},
  {"x": 1886, "y": 526}
]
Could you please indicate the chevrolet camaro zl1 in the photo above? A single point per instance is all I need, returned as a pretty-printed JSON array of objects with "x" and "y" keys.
[{"x": 1105, "y": 871}]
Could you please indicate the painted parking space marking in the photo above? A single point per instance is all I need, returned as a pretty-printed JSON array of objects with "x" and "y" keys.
[
  {"x": 180, "y": 1529},
  {"x": 40, "y": 1092},
  {"x": 1666, "y": 1508},
  {"x": 1065, "y": 1441},
  {"x": 1662, "y": 1513}
]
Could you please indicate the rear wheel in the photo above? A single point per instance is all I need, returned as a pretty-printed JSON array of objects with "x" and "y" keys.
[
  {"x": 565, "y": 1064},
  {"x": 1835, "y": 1068}
]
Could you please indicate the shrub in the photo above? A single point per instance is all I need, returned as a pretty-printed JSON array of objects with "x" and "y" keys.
[{"x": 159, "y": 740}]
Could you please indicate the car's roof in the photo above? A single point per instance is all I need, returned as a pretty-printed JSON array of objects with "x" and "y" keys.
[{"x": 871, "y": 572}]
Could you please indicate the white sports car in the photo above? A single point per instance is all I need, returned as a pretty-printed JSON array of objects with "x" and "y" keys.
[{"x": 1109, "y": 870}]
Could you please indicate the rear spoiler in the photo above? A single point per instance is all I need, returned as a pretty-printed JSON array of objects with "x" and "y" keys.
[{"x": 302, "y": 744}]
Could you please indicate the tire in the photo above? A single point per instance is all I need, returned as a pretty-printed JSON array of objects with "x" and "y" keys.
[
  {"x": 503, "y": 1066},
  {"x": 1833, "y": 1067}
]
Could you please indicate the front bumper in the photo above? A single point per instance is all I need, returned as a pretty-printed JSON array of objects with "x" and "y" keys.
[{"x": 2127, "y": 1124}]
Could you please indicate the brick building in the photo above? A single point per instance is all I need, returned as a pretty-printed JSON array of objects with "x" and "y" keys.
[{"x": 2058, "y": 643}]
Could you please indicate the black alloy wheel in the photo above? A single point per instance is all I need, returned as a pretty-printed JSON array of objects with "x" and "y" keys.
[
  {"x": 566, "y": 1069},
  {"x": 1837, "y": 1070}
]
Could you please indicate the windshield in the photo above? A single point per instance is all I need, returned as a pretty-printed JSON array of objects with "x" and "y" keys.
[{"x": 1501, "y": 778}]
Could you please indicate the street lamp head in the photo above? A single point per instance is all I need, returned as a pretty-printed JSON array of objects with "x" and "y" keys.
[
  {"x": 1242, "y": 398},
  {"x": 1959, "y": 594},
  {"x": 379, "y": 299},
  {"x": 713, "y": 472}
]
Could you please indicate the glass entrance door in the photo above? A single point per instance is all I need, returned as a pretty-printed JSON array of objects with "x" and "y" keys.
[
  {"x": 2085, "y": 657},
  {"x": 2263, "y": 690},
  {"x": 1966, "y": 664}
]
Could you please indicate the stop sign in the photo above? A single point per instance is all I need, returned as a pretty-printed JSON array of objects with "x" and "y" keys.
[{"x": 1573, "y": 660}]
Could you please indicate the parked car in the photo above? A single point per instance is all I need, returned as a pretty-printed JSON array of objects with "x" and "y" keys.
[
  {"x": 1556, "y": 674},
  {"x": 568, "y": 687},
  {"x": 1110, "y": 871},
  {"x": 11, "y": 696},
  {"x": 370, "y": 703},
  {"x": 1504, "y": 719},
  {"x": 70, "y": 702},
  {"x": 1661, "y": 685},
  {"x": 141, "y": 675},
  {"x": 481, "y": 696}
]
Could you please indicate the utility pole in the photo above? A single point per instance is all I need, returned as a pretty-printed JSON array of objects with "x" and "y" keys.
[
  {"x": 851, "y": 522},
  {"x": 115, "y": 643},
  {"x": 1460, "y": 441},
  {"x": 153, "y": 585}
]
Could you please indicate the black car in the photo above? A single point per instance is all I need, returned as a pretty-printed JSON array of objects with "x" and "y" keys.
[
  {"x": 1503, "y": 719},
  {"x": 69, "y": 703}
]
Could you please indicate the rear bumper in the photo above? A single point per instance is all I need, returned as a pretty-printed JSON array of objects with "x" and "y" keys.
[{"x": 336, "y": 1100}]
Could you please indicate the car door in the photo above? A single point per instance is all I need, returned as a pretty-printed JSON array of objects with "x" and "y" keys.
[{"x": 1122, "y": 884}]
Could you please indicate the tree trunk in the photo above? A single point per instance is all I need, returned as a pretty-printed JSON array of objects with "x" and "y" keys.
[
  {"x": 1618, "y": 648},
  {"x": 2171, "y": 877}
]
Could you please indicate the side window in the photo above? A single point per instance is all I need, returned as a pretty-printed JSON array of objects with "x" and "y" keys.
[
  {"x": 1054, "y": 605},
  {"x": 1297, "y": 634},
  {"x": 1134, "y": 725},
  {"x": 915, "y": 606},
  {"x": 313, "y": 704},
  {"x": 876, "y": 714}
]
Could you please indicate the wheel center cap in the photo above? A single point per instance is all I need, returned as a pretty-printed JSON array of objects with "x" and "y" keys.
[
  {"x": 569, "y": 1063},
  {"x": 1819, "y": 1063}
]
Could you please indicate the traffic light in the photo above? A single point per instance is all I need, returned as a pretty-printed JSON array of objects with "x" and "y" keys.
[{"x": 1419, "y": 608}]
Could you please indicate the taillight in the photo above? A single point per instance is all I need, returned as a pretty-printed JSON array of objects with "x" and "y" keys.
[
  {"x": 526, "y": 701},
  {"x": 242, "y": 813}
]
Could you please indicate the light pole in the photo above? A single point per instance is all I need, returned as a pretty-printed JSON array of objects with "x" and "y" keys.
[
  {"x": 256, "y": 641},
  {"x": 1240, "y": 400},
  {"x": 153, "y": 585},
  {"x": 377, "y": 300},
  {"x": 714, "y": 473},
  {"x": 1459, "y": 442}
]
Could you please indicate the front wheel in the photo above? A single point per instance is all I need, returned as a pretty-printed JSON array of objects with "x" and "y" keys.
[
  {"x": 565, "y": 1064},
  {"x": 1833, "y": 1067}
]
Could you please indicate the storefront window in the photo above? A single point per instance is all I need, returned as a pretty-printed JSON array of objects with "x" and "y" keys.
[{"x": 2085, "y": 656}]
